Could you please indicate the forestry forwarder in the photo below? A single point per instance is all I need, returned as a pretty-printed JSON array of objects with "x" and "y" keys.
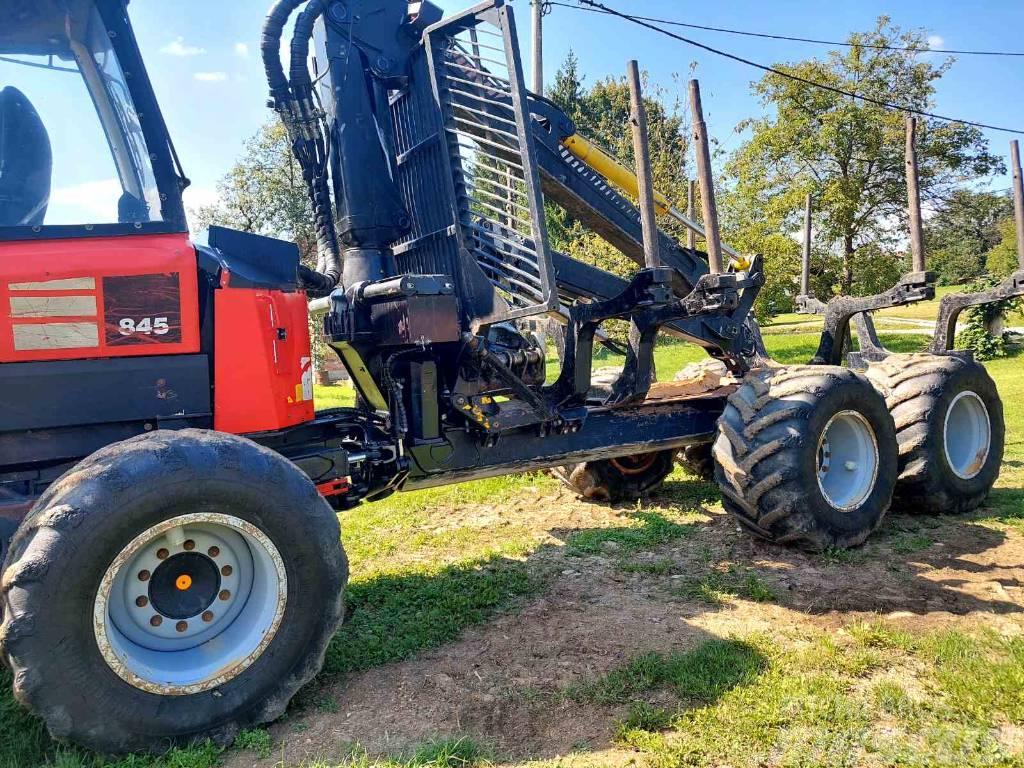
[{"x": 174, "y": 569}]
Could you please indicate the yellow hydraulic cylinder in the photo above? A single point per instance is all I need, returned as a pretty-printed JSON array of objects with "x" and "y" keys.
[
  {"x": 594, "y": 157},
  {"x": 622, "y": 177}
]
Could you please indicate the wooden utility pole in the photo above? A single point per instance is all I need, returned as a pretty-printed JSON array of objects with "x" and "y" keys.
[
  {"x": 691, "y": 199},
  {"x": 707, "y": 182},
  {"x": 642, "y": 158},
  {"x": 538, "y": 47},
  {"x": 914, "y": 198},
  {"x": 1018, "y": 200},
  {"x": 805, "y": 266}
]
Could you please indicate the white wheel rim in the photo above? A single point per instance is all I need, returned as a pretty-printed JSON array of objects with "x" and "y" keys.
[
  {"x": 190, "y": 604},
  {"x": 967, "y": 435},
  {"x": 847, "y": 460}
]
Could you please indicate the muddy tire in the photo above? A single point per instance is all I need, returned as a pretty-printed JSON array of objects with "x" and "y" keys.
[
  {"x": 698, "y": 460},
  {"x": 615, "y": 480},
  {"x": 806, "y": 455},
  {"x": 172, "y": 588},
  {"x": 950, "y": 430}
]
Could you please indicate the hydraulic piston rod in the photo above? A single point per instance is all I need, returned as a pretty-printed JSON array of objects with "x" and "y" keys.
[{"x": 625, "y": 179}]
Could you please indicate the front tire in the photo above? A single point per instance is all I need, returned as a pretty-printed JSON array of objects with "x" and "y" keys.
[
  {"x": 950, "y": 428},
  {"x": 806, "y": 455},
  {"x": 172, "y": 588}
]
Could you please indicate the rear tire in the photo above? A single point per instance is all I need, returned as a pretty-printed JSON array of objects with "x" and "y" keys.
[
  {"x": 950, "y": 429},
  {"x": 806, "y": 455},
  {"x": 71, "y": 579},
  {"x": 698, "y": 460},
  {"x": 615, "y": 480}
]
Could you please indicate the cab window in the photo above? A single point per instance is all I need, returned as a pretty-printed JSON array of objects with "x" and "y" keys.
[{"x": 72, "y": 150}]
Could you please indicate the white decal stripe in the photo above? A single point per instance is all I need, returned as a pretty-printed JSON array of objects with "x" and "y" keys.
[
  {"x": 56, "y": 336},
  {"x": 67, "y": 284},
  {"x": 53, "y": 306}
]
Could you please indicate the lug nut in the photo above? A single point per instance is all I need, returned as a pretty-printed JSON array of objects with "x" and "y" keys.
[
  {"x": 213, "y": 551},
  {"x": 181, "y": 626},
  {"x": 141, "y": 601},
  {"x": 225, "y": 594},
  {"x": 227, "y": 570},
  {"x": 144, "y": 575},
  {"x": 162, "y": 554},
  {"x": 157, "y": 620},
  {"x": 207, "y": 616},
  {"x": 189, "y": 545}
]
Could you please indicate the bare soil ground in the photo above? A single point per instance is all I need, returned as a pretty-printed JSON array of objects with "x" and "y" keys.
[{"x": 504, "y": 683}]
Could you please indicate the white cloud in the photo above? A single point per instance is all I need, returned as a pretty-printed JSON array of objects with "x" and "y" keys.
[
  {"x": 178, "y": 48},
  {"x": 242, "y": 50},
  {"x": 211, "y": 77},
  {"x": 200, "y": 196},
  {"x": 89, "y": 202},
  {"x": 934, "y": 41}
]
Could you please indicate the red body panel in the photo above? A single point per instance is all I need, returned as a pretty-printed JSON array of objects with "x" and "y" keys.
[
  {"x": 98, "y": 297},
  {"x": 262, "y": 367}
]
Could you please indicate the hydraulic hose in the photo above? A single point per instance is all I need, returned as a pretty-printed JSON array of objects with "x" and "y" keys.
[
  {"x": 329, "y": 264},
  {"x": 270, "y": 48},
  {"x": 300, "y": 78},
  {"x": 294, "y": 102}
]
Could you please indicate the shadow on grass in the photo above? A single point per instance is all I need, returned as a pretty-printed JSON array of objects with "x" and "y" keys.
[
  {"x": 912, "y": 564},
  {"x": 392, "y": 617},
  {"x": 700, "y": 676}
]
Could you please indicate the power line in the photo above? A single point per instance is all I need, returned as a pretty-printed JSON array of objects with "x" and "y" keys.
[
  {"x": 773, "y": 70},
  {"x": 747, "y": 33}
]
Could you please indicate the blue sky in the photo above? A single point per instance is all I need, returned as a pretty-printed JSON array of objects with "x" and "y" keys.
[{"x": 203, "y": 58}]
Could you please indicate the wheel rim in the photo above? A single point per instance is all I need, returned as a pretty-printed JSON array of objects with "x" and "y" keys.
[
  {"x": 967, "y": 435},
  {"x": 847, "y": 460},
  {"x": 635, "y": 465},
  {"x": 190, "y": 603}
]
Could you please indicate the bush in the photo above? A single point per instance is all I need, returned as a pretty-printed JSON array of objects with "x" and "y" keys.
[{"x": 977, "y": 334}]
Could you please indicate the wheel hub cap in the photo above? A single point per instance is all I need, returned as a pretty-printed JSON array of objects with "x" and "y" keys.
[
  {"x": 847, "y": 460},
  {"x": 184, "y": 585},
  {"x": 967, "y": 435},
  {"x": 190, "y": 603}
]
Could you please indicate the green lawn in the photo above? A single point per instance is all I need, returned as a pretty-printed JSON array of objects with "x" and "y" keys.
[
  {"x": 796, "y": 689},
  {"x": 924, "y": 310}
]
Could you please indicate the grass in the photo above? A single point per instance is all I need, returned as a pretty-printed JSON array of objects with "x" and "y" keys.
[
  {"x": 703, "y": 675},
  {"x": 716, "y": 587},
  {"x": 783, "y": 700},
  {"x": 447, "y": 753},
  {"x": 255, "y": 740},
  {"x": 923, "y": 310},
  {"x": 645, "y": 531},
  {"x": 428, "y": 565}
]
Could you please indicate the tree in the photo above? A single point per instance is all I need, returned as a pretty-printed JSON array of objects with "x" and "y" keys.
[
  {"x": 601, "y": 113},
  {"x": 264, "y": 193},
  {"x": 1002, "y": 259},
  {"x": 849, "y": 153},
  {"x": 962, "y": 232}
]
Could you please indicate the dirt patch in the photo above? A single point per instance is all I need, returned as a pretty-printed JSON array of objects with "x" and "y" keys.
[{"x": 504, "y": 683}]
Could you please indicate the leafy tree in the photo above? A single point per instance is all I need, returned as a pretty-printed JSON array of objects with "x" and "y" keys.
[
  {"x": 601, "y": 113},
  {"x": 264, "y": 193},
  {"x": 960, "y": 235},
  {"x": 849, "y": 153},
  {"x": 1002, "y": 259}
]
